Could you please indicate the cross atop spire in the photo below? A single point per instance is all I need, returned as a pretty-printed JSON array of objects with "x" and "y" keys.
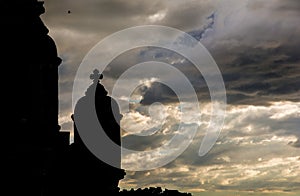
[{"x": 96, "y": 76}]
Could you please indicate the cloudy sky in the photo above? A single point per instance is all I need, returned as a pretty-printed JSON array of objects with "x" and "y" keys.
[{"x": 255, "y": 44}]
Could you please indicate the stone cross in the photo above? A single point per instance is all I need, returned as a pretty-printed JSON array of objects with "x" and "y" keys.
[{"x": 96, "y": 76}]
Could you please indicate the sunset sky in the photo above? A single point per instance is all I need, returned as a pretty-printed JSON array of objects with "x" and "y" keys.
[{"x": 255, "y": 44}]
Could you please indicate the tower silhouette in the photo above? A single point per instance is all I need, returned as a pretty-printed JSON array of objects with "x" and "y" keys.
[
  {"x": 32, "y": 140},
  {"x": 89, "y": 174}
]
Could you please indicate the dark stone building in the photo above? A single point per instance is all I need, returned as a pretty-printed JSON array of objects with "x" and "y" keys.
[{"x": 31, "y": 137}]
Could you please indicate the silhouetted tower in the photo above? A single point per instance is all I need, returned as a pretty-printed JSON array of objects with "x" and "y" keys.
[
  {"x": 29, "y": 57},
  {"x": 89, "y": 175}
]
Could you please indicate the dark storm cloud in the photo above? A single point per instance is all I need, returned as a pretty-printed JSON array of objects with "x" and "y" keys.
[
  {"x": 141, "y": 143},
  {"x": 259, "y": 62},
  {"x": 99, "y": 16},
  {"x": 260, "y": 77},
  {"x": 199, "y": 34},
  {"x": 264, "y": 75},
  {"x": 189, "y": 16},
  {"x": 254, "y": 77},
  {"x": 105, "y": 16},
  {"x": 159, "y": 92},
  {"x": 258, "y": 53},
  {"x": 256, "y": 49}
]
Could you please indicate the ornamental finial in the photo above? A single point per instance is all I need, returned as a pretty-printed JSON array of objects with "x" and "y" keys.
[{"x": 96, "y": 76}]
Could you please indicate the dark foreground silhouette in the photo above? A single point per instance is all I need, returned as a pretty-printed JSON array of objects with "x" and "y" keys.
[
  {"x": 152, "y": 191},
  {"x": 38, "y": 160}
]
